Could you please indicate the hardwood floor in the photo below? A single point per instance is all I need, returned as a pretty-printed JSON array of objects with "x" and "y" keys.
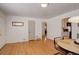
[{"x": 37, "y": 47}]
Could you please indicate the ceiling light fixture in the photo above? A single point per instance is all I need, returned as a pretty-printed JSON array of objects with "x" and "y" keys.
[{"x": 44, "y": 5}]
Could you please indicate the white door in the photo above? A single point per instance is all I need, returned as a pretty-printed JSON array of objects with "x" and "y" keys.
[{"x": 31, "y": 29}]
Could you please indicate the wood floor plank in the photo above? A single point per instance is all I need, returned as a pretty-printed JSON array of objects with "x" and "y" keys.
[{"x": 37, "y": 47}]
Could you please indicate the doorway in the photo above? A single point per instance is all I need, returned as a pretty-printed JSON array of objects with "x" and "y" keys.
[
  {"x": 31, "y": 30},
  {"x": 67, "y": 28},
  {"x": 44, "y": 31}
]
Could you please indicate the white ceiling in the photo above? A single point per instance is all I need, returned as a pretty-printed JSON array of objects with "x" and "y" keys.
[{"x": 35, "y": 10}]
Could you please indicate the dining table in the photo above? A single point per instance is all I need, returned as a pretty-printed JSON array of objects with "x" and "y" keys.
[{"x": 69, "y": 45}]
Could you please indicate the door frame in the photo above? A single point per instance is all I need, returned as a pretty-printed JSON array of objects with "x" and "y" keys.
[
  {"x": 45, "y": 34},
  {"x": 31, "y": 28}
]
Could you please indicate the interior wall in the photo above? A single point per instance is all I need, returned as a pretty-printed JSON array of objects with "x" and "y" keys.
[
  {"x": 55, "y": 25},
  {"x": 19, "y": 34},
  {"x": 2, "y": 30}
]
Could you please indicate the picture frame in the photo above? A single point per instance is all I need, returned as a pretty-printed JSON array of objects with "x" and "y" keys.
[{"x": 17, "y": 23}]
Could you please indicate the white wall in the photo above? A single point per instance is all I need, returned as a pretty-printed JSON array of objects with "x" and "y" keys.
[
  {"x": 55, "y": 25},
  {"x": 53, "y": 28},
  {"x": 2, "y": 30},
  {"x": 19, "y": 34},
  {"x": 74, "y": 31}
]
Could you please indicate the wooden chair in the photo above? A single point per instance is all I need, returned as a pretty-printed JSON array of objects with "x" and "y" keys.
[{"x": 57, "y": 47}]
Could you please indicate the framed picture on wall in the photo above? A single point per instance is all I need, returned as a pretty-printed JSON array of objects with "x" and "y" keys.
[{"x": 17, "y": 23}]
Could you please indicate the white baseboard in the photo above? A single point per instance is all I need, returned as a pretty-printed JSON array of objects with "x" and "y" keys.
[{"x": 14, "y": 41}]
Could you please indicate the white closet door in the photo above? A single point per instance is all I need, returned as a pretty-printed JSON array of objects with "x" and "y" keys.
[{"x": 31, "y": 29}]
